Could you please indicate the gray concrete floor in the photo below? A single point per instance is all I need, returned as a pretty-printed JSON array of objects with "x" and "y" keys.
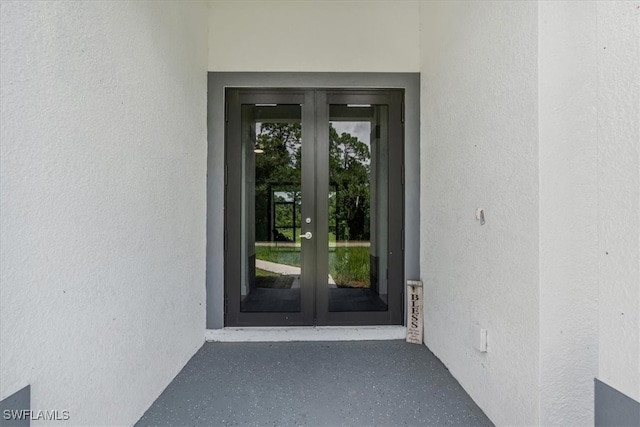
[{"x": 314, "y": 383}]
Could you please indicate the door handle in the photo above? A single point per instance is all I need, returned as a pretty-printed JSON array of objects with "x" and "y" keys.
[{"x": 307, "y": 235}]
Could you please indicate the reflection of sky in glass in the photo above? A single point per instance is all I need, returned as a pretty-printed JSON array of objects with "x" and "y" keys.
[
  {"x": 361, "y": 130},
  {"x": 285, "y": 197}
]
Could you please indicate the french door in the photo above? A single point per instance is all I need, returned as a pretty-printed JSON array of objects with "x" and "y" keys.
[{"x": 314, "y": 207}]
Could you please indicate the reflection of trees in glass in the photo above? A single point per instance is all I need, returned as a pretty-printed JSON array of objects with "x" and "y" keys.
[
  {"x": 278, "y": 169},
  {"x": 349, "y": 167}
]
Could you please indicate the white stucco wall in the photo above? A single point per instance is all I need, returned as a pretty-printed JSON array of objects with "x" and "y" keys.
[
  {"x": 480, "y": 150},
  {"x": 618, "y": 126},
  {"x": 568, "y": 212},
  {"x": 103, "y": 166},
  {"x": 530, "y": 110},
  {"x": 314, "y": 35}
]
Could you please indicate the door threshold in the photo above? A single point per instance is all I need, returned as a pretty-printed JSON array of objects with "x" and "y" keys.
[{"x": 306, "y": 333}]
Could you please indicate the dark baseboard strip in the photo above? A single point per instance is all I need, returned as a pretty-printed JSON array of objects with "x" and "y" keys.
[
  {"x": 613, "y": 408},
  {"x": 12, "y": 409}
]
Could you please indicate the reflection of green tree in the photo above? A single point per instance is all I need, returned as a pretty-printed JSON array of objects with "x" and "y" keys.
[
  {"x": 349, "y": 167},
  {"x": 277, "y": 169}
]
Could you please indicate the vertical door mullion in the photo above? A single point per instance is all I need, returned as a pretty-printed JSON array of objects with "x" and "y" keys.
[
  {"x": 232, "y": 210},
  {"x": 396, "y": 209},
  {"x": 308, "y": 248},
  {"x": 322, "y": 206}
]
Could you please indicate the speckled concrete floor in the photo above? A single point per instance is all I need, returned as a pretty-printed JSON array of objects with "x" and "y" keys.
[{"x": 314, "y": 383}]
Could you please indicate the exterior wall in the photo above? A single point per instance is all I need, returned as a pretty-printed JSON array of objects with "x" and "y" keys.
[
  {"x": 529, "y": 110},
  {"x": 103, "y": 172},
  {"x": 479, "y": 149},
  {"x": 618, "y": 101},
  {"x": 590, "y": 183},
  {"x": 314, "y": 35},
  {"x": 588, "y": 102},
  {"x": 568, "y": 212}
]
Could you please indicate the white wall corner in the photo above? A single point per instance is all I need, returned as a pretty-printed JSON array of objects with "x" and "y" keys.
[
  {"x": 568, "y": 211},
  {"x": 479, "y": 133}
]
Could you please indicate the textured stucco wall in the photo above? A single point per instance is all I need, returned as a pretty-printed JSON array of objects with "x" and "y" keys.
[
  {"x": 568, "y": 212},
  {"x": 618, "y": 103},
  {"x": 314, "y": 35},
  {"x": 103, "y": 166},
  {"x": 480, "y": 150}
]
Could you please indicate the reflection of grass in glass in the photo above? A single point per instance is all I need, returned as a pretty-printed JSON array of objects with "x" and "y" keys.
[
  {"x": 265, "y": 273},
  {"x": 267, "y": 279},
  {"x": 287, "y": 256},
  {"x": 348, "y": 266}
]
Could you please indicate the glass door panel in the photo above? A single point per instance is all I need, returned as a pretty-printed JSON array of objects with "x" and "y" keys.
[
  {"x": 272, "y": 200},
  {"x": 358, "y": 203},
  {"x": 268, "y": 190}
]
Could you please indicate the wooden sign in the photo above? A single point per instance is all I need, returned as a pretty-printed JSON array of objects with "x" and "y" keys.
[{"x": 415, "y": 319}]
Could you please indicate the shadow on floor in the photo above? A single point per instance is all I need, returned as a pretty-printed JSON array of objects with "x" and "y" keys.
[
  {"x": 265, "y": 300},
  {"x": 314, "y": 383}
]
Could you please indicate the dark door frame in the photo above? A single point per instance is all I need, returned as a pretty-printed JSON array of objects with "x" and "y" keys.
[
  {"x": 218, "y": 81},
  {"x": 315, "y": 187}
]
